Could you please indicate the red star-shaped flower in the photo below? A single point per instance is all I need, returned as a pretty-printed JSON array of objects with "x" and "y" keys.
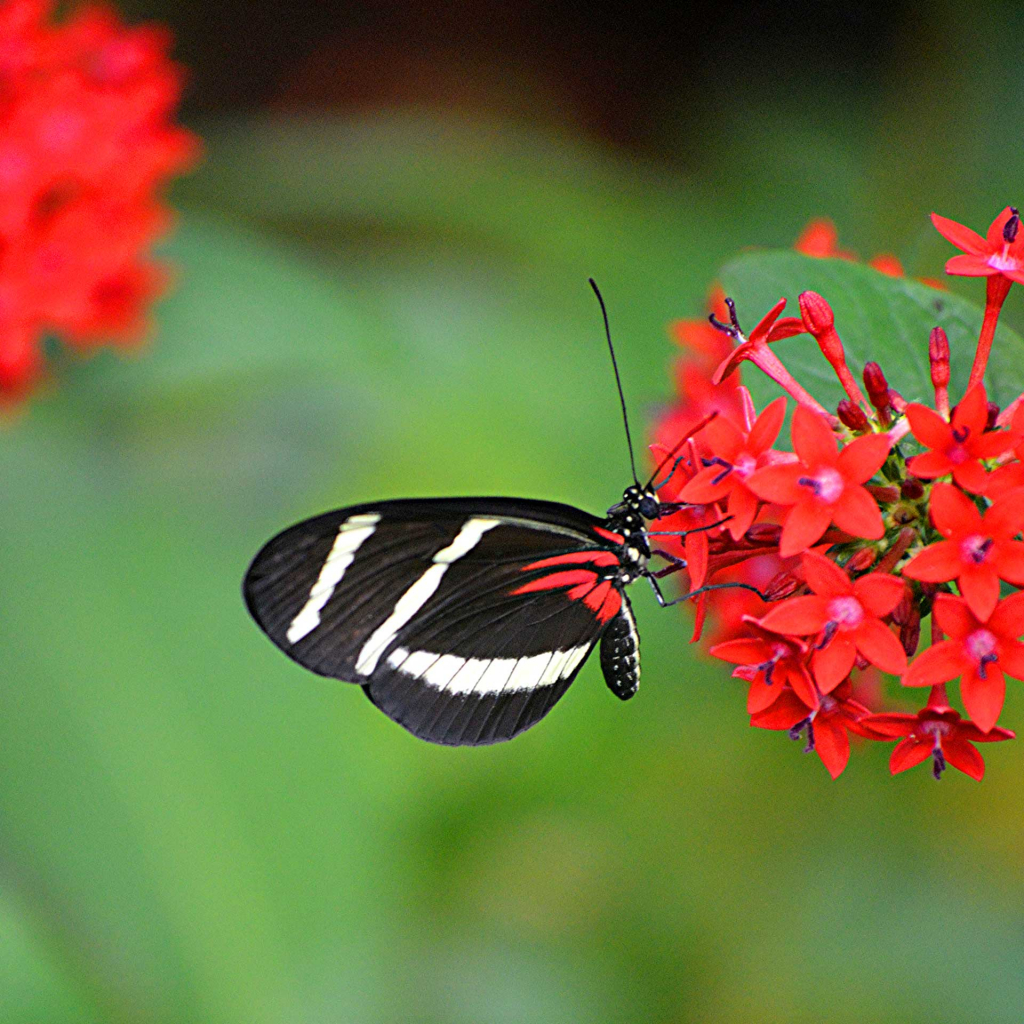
[
  {"x": 828, "y": 726},
  {"x": 736, "y": 454},
  {"x": 957, "y": 447},
  {"x": 999, "y": 258},
  {"x": 937, "y": 731},
  {"x": 824, "y": 486},
  {"x": 770, "y": 663},
  {"x": 978, "y": 551},
  {"x": 755, "y": 347},
  {"x": 847, "y": 614},
  {"x": 1001, "y": 251},
  {"x": 980, "y": 651}
]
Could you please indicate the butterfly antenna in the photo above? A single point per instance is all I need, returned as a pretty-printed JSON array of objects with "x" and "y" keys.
[{"x": 618, "y": 379}]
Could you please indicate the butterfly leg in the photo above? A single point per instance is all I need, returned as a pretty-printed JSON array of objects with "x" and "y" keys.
[
  {"x": 677, "y": 564},
  {"x": 660, "y": 597}
]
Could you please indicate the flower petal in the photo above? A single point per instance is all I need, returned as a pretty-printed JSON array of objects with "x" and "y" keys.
[
  {"x": 983, "y": 698},
  {"x": 804, "y": 525},
  {"x": 695, "y": 547},
  {"x": 767, "y": 426},
  {"x": 803, "y": 686},
  {"x": 832, "y": 745},
  {"x": 743, "y": 508},
  {"x": 972, "y": 413},
  {"x": 960, "y": 754},
  {"x": 908, "y": 753},
  {"x": 832, "y": 664},
  {"x": 1011, "y": 658},
  {"x": 937, "y": 664},
  {"x": 970, "y": 266},
  {"x": 799, "y": 616},
  {"x": 857, "y": 513},
  {"x": 787, "y": 710},
  {"x": 744, "y": 651},
  {"x": 930, "y": 465},
  {"x": 1009, "y": 561},
  {"x": 891, "y": 724},
  {"x": 778, "y": 484},
  {"x": 703, "y": 489},
  {"x": 1006, "y": 516},
  {"x": 724, "y": 438},
  {"x": 971, "y": 476},
  {"x": 862, "y": 458},
  {"x": 928, "y": 426},
  {"x": 937, "y": 563},
  {"x": 761, "y": 695},
  {"x": 813, "y": 439},
  {"x": 962, "y": 237},
  {"x": 764, "y": 325},
  {"x": 879, "y": 645},
  {"x": 729, "y": 363},
  {"x": 980, "y": 586},
  {"x": 994, "y": 235},
  {"x": 953, "y": 616},
  {"x": 952, "y": 511},
  {"x": 1005, "y": 479},
  {"x": 823, "y": 576},
  {"x": 1008, "y": 618},
  {"x": 879, "y": 593},
  {"x": 992, "y": 443}
]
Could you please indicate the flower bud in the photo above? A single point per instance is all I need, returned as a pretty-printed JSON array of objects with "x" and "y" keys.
[
  {"x": 884, "y": 494},
  {"x": 860, "y": 560},
  {"x": 764, "y": 533},
  {"x": 902, "y": 612},
  {"x": 910, "y": 634},
  {"x": 816, "y": 313},
  {"x": 993, "y": 415},
  {"x": 853, "y": 416},
  {"x": 912, "y": 489},
  {"x": 938, "y": 356},
  {"x": 877, "y": 386},
  {"x": 783, "y": 585}
]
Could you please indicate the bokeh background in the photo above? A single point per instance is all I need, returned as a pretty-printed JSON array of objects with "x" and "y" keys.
[{"x": 381, "y": 291}]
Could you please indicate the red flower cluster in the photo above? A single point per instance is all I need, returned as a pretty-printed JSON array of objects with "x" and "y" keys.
[
  {"x": 883, "y": 514},
  {"x": 86, "y": 143}
]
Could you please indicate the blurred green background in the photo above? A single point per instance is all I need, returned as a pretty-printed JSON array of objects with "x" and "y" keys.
[{"x": 382, "y": 292}]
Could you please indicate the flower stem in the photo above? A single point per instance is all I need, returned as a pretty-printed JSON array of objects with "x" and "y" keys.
[{"x": 996, "y": 291}]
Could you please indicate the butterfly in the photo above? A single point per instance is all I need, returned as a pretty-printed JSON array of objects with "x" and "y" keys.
[{"x": 465, "y": 619}]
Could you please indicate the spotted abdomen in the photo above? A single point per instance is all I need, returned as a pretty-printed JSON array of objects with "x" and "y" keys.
[{"x": 620, "y": 653}]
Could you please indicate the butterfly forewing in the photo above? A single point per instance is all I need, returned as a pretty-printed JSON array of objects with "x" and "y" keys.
[{"x": 463, "y": 620}]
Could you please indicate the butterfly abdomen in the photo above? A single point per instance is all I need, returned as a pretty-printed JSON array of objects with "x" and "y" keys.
[{"x": 620, "y": 653}]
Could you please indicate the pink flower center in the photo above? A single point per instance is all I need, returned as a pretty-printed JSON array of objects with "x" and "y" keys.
[
  {"x": 846, "y": 612},
  {"x": 958, "y": 454},
  {"x": 975, "y": 548},
  {"x": 981, "y": 646},
  {"x": 827, "y": 484},
  {"x": 744, "y": 466},
  {"x": 1003, "y": 261}
]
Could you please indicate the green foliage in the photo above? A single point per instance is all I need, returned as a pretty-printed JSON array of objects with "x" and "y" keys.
[
  {"x": 193, "y": 829},
  {"x": 879, "y": 318}
]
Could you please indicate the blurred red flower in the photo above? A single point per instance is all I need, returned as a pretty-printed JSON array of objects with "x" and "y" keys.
[{"x": 86, "y": 144}]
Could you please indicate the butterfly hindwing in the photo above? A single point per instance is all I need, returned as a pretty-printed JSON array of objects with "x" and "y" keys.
[{"x": 464, "y": 620}]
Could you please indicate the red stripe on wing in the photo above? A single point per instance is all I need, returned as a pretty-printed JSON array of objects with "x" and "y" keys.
[
  {"x": 599, "y": 558},
  {"x": 615, "y": 538},
  {"x": 600, "y": 596},
  {"x": 554, "y": 580}
]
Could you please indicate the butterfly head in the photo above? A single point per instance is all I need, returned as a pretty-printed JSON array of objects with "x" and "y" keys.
[{"x": 638, "y": 502}]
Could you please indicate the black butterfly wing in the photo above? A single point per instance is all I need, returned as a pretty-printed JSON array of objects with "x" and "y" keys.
[{"x": 464, "y": 620}]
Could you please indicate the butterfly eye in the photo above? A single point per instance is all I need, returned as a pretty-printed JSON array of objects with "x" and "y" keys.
[{"x": 649, "y": 507}]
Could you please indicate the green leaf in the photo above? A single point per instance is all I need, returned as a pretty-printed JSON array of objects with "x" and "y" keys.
[{"x": 879, "y": 318}]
